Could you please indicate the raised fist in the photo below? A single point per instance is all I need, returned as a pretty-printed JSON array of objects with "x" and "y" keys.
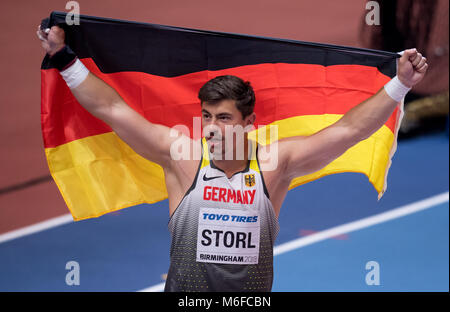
[
  {"x": 411, "y": 67},
  {"x": 52, "y": 39}
]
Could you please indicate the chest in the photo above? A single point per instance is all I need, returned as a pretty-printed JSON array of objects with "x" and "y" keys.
[{"x": 214, "y": 188}]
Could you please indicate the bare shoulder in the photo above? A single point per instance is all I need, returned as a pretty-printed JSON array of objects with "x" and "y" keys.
[
  {"x": 185, "y": 154},
  {"x": 180, "y": 173},
  {"x": 273, "y": 168},
  {"x": 272, "y": 160}
]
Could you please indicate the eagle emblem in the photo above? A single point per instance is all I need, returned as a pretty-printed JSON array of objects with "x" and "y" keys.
[{"x": 250, "y": 180}]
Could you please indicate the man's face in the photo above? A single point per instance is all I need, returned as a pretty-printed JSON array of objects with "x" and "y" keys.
[{"x": 223, "y": 128}]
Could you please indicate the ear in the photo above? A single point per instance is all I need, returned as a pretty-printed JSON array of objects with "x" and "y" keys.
[{"x": 250, "y": 119}]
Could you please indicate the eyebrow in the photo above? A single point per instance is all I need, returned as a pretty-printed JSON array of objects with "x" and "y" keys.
[{"x": 220, "y": 114}]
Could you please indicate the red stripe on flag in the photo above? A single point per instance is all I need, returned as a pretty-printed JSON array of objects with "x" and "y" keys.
[{"x": 280, "y": 93}]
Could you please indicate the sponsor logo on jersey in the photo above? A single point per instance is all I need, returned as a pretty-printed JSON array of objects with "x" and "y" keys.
[
  {"x": 228, "y": 236},
  {"x": 205, "y": 178}
]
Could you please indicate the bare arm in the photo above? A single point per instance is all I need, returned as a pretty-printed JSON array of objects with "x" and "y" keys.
[
  {"x": 150, "y": 140},
  {"x": 305, "y": 155}
]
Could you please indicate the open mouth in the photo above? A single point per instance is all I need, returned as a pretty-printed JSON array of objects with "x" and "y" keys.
[
  {"x": 213, "y": 139},
  {"x": 214, "y": 143}
]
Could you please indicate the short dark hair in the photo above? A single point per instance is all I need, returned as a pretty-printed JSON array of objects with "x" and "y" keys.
[{"x": 229, "y": 87}]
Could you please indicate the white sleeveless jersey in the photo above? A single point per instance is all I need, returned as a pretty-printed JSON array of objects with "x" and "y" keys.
[{"x": 223, "y": 232}]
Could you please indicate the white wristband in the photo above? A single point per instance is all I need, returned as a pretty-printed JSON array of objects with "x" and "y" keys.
[
  {"x": 75, "y": 74},
  {"x": 396, "y": 89}
]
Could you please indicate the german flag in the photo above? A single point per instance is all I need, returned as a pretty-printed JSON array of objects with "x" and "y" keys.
[{"x": 158, "y": 70}]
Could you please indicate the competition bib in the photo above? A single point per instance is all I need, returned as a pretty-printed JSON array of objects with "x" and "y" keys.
[{"x": 228, "y": 236}]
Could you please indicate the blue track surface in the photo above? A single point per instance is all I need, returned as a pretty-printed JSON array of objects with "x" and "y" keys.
[
  {"x": 412, "y": 254},
  {"x": 129, "y": 251}
]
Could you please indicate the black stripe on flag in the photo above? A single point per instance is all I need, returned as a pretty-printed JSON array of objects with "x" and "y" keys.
[{"x": 117, "y": 45}]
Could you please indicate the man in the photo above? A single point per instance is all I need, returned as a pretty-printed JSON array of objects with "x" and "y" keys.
[{"x": 224, "y": 210}]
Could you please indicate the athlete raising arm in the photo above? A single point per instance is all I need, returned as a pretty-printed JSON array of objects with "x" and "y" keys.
[
  {"x": 152, "y": 141},
  {"x": 204, "y": 195}
]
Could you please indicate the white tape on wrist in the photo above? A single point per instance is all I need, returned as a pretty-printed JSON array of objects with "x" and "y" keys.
[
  {"x": 396, "y": 89},
  {"x": 75, "y": 74}
]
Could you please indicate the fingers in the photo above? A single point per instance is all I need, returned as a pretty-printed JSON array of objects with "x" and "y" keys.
[
  {"x": 419, "y": 62},
  {"x": 415, "y": 60},
  {"x": 42, "y": 34},
  {"x": 409, "y": 54},
  {"x": 422, "y": 62},
  {"x": 422, "y": 68}
]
